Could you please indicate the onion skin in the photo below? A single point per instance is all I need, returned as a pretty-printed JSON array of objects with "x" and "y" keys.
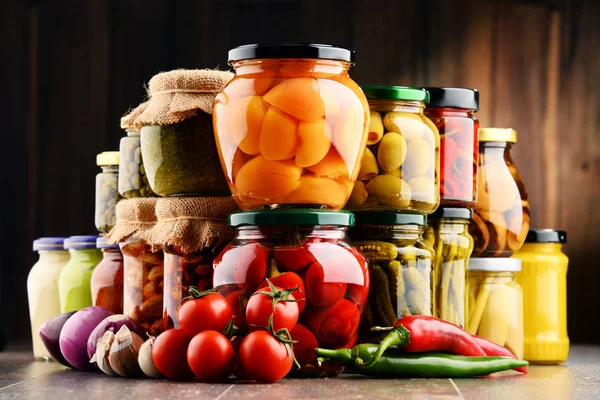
[
  {"x": 50, "y": 334},
  {"x": 112, "y": 323},
  {"x": 75, "y": 333}
]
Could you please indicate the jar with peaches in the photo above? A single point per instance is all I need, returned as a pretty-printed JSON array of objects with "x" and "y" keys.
[
  {"x": 291, "y": 126},
  {"x": 400, "y": 167},
  {"x": 501, "y": 217}
]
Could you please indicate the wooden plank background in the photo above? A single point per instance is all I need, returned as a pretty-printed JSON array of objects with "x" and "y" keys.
[{"x": 69, "y": 69}]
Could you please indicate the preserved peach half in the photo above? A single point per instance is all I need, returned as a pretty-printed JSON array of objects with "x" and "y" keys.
[
  {"x": 265, "y": 179},
  {"x": 332, "y": 166},
  {"x": 318, "y": 190},
  {"x": 497, "y": 190},
  {"x": 332, "y": 104},
  {"x": 242, "y": 86},
  {"x": 348, "y": 137},
  {"x": 279, "y": 136},
  {"x": 298, "y": 97},
  {"x": 245, "y": 117},
  {"x": 315, "y": 141}
]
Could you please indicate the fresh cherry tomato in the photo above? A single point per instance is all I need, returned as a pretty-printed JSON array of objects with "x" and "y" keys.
[
  {"x": 264, "y": 358},
  {"x": 248, "y": 263},
  {"x": 289, "y": 280},
  {"x": 260, "y": 308},
  {"x": 293, "y": 258},
  {"x": 211, "y": 356},
  {"x": 169, "y": 354},
  {"x": 238, "y": 300},
  {"x": 306, "y": 343},
  {"x": 211, "y": 312},
  {"x": 334, "y": 326},
  {"x": 324, "y": 285}
]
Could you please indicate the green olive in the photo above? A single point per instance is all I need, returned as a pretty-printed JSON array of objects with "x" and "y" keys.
[
  {"x": 358, "y": 196},
  {"x": 368, "y": 167},
  {"x": 392, "y": 151},
  {"x": 423, "y": 189},
  {"x": 390, "y": 190},
  {"x": 410, "y": 125},
  {"x": 419, "y": 160}
]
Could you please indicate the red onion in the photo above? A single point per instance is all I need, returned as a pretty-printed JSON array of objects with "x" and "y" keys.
[
  {"x": 75, "y": 333},
  {"x": 50, "y": 334},
  {"x": 112, "y": 323}
]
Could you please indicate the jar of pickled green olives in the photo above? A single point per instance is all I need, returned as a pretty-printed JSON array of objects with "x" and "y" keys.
[
  {"x": 400, "y": 264},
  {"x": 107, "y": 194},
  {"x": 448, "y": 234},
  {"x": 132, "y": 173},
  {"x": 400, "y": 166}
]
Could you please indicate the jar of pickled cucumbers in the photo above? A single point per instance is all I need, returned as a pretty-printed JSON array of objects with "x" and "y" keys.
[
  {"x": 107, "y": 194},
  {"x": 400, "y": 167},
  {"x": 452, "y": 111},
  {"x": 291, "y": 126},
  {"x": 448, "y": 234},
  {"x": 304, "y": 249},
  {"x": 544, "y": 282},
  {"x": 400, "y": 266},
  {"x": 133, "y": 181},
  {"x": 143, "y": 284},
  {"x": 501, "y": 217},
  {"x": 495, "y": 302},
  {"x": 107, "y": 278}
]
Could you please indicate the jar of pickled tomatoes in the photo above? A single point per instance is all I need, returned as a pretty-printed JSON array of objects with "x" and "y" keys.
[
  {"x": 291, "y": 126},
  {"x": 305, "y": 250},
  {"x": 452, "y": 111},
  {"x": 400, "y": 167}
]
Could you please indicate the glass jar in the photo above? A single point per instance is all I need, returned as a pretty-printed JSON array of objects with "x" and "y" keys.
[
  {"x": 452, "y": 111},
  {"x": 291, "y": 126},
  {"x": 182, "y": 271},
  {"x": 448, "y": 234},
  {"x": 107, "y": 194},
  {"x": 400, "y": 265},
  {"x": 133, "y": 181},
  {"x": 495, "y": 302},
  {"x": 400, "y": 167},
  {"x": 143, "y": 284},
  {"x": 180, "y": 159},
  {"x": 501, "y": 218},
  {"x": 75, "y": 278},
  {"x": 311, "y": 248},
  {"x": 544, "y": 282},
  {"x": 42, "y": 288},
  {"x": 107, "y": 278}
]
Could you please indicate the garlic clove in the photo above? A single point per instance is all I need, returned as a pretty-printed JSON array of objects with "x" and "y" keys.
[
  {"x": 123, "y": 355},
  {"x": 102, "y": 352},
  {"x": 145, "y": 359}
]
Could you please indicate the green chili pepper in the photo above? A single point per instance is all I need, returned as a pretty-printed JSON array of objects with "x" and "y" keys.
[{"x": 396, "y": 363}]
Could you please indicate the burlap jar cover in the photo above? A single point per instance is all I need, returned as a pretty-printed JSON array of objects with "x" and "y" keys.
[{"x": 135, "y": 218}]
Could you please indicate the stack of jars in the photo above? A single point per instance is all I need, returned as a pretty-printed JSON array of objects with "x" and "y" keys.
[{"x": 291, "y": 129}]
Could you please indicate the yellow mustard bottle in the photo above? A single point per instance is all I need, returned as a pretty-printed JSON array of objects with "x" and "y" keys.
[{"x": 544, "y": 281}]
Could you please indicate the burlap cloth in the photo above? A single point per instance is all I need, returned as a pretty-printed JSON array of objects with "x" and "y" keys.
[
  {"x": 135, "y": 217},
  {"x": 177, "y": 95},
  {"x": 189, "y": 224}
]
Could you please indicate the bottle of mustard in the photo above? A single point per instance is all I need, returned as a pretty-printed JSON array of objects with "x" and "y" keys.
[{"x": 544, "y": 281}]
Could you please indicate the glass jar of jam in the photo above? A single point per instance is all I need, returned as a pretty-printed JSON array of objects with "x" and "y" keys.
[
  {"x": 107, "y": 278},
  {"x": 452, "y": 111},
  {"x": 501, "y": 217},
  {"x": 311, "y": 249},
  {"x": 291, "y": 126},
  {"x": 400, "y": 166}
]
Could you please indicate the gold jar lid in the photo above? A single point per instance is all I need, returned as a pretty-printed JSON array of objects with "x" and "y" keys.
[
  {"x": 126, "y": 122},
  {"x": 107, "y": 158},
  {"x": 497, "y": 135}
]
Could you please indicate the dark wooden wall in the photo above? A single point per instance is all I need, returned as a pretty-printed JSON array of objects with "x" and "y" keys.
[{"x": 69, "y": 69}]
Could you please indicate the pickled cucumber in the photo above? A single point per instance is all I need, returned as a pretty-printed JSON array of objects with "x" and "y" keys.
[{"x": 376, "y": 251}]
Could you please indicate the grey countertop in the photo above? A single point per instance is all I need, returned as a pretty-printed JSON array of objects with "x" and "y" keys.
[{"x": 579, "y": 378}]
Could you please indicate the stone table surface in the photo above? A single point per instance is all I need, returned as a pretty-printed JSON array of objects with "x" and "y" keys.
[{"x": 579, "y": 378}]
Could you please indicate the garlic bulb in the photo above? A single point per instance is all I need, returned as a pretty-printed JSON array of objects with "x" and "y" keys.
[
  {"x": 145, "y": 359},
  {"x": 123, "y": 356},
  {"x": 102, "y": 352}
]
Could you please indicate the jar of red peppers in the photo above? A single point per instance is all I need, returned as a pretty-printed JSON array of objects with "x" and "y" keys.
[
  {"x": 107, "y": 278},
  {"x": 305, "y": 249},
  {"x": 143, "y": 291},
  {"x": 452, "y": 111}
]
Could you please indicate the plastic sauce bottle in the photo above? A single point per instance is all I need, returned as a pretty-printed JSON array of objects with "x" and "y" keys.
[{"x": 544, "y": 282}]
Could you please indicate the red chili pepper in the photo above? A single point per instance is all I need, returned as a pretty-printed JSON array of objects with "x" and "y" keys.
[
  {"x": 419, "y": 333},
  {"x": 493, "y": 349}
]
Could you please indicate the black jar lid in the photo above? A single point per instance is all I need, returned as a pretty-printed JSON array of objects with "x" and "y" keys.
[
  {"x": 291, "y": 50},
  {"x": 546, "y": 236},
  {"x": 389, "y": 218},
  {"x": 291, "y": 217},
  {"x": 453, "y": 97},
  {"x": 452, "y": 212}
]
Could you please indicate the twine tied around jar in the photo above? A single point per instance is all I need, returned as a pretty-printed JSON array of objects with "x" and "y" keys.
[
  {"x": 177, "y": 95},
  {"x": 135, "y": 217}
]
